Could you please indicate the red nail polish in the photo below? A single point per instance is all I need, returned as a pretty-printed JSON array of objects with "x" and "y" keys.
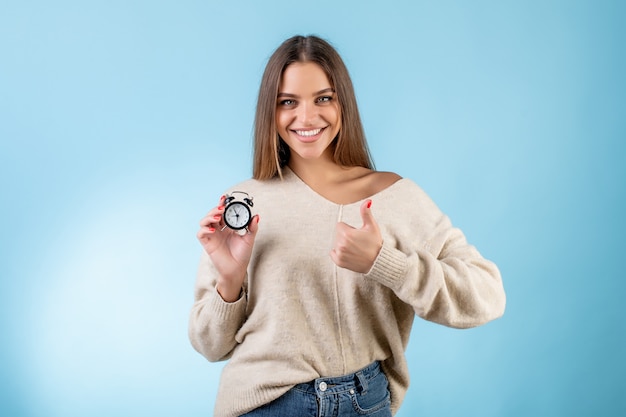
[
  {"x": 220, "y": 207},
  {"x": 369, "y": 204}
]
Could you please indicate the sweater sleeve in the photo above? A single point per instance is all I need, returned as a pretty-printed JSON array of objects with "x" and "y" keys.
[
  {"x": 444, "y": 279},
  {"x": 213, "y": 322}
]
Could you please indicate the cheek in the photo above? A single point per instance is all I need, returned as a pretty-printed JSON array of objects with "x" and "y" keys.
[
  {"x": 334, "y": 116},
  {"x": 282, "y": 121},
  {"x": 336, "y": 112}
]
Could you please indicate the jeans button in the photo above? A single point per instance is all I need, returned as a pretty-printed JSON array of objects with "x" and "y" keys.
[{"x": 323, "y": 386}]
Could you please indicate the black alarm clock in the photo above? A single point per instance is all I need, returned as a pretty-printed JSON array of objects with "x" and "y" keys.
[{"x": 237, "y": 214}]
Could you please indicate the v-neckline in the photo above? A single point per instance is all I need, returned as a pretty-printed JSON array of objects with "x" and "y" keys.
[{"x": 289, "y": 172}]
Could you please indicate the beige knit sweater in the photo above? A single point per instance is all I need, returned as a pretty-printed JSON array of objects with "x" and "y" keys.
[{"x": 301, "y": 317}]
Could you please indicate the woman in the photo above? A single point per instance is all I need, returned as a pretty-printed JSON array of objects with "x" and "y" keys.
[{"x": 313, "y": 306}]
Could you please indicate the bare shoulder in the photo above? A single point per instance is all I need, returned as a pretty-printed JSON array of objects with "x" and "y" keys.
[
  {"x": 376, "y": 181},
  {"x": 385, "y": 177},
  {"x": 380, "y": 180}
]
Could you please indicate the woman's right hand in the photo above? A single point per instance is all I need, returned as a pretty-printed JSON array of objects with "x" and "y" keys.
[{"x": 229, "y": 251}]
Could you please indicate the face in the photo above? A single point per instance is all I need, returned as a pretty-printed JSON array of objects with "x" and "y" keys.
[{"x": 308, "y": 116}]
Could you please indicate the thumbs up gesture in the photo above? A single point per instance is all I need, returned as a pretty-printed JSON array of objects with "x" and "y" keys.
[{"x": 357, "y": 249}]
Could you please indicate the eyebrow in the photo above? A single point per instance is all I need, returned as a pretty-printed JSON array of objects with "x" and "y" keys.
[{"x": 326, "y": 90}]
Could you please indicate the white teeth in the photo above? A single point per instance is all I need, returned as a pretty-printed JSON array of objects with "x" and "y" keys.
[{"x": 308, "y": 133}]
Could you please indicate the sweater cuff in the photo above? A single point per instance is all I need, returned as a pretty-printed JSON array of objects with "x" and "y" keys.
[
  {"x": 389, "y": 267},
  {"x": 228, "y": 311}
]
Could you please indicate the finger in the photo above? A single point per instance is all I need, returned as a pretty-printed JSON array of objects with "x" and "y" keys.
[
  {"x": 334, "y": 257},
  {"x": 343, "y": 229},
  {"x": 209, "y": 220},
  {"x": 366, "y": 214},
  {"x": 205, "y": 232},
  {"x": 213, "y": 216},
  {"x": 254, "y": 224},
  {"x": 340, "y": 256},
  {"x": 344, "y": 238}
]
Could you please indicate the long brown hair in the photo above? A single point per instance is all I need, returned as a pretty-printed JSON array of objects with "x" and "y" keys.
[{"x": 271, "y": 153}]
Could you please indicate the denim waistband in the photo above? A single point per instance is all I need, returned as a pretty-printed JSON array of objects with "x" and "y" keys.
[{"x": 334, "y": 385}]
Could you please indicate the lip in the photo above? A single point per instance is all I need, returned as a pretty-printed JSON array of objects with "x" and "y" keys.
[{"x": 308, "y": 138}]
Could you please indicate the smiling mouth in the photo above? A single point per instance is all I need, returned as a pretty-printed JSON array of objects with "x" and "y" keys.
[{"x": 309, "y": 133}]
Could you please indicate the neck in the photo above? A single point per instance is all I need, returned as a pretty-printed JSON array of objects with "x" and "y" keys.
[{"x": 321, "y": 170}]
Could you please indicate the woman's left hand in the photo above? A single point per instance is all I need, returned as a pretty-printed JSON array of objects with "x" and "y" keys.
[{"x": 357, "y": 249}]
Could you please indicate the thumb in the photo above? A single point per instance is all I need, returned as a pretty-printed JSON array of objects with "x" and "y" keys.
[
  {"x": 254, "y": 225},
  {"x": 366, "y": 215}
]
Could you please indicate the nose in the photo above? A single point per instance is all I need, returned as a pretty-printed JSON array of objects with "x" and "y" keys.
[{"x": 307, "y": 113}]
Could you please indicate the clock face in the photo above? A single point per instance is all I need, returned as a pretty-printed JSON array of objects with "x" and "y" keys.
[{"x": 237, "y": 215}]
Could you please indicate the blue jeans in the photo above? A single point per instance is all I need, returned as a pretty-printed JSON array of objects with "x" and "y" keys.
[{"x": 363, "y": 393}]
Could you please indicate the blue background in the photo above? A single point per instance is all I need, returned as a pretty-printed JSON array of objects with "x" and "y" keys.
[{"x": 121, "y": 123}]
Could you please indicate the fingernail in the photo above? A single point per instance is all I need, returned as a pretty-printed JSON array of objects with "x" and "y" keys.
[
  {"x": 211, "y": 229},
  {"x": 369, "y": 204},
  {"x": 220, "y": 207},
  {"x": 217, "y": 217}
]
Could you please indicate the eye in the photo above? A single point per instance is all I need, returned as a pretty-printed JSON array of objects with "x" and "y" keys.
[
  {"x": 324, "y": 99},
  {"x": 287, "y": 103}
]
